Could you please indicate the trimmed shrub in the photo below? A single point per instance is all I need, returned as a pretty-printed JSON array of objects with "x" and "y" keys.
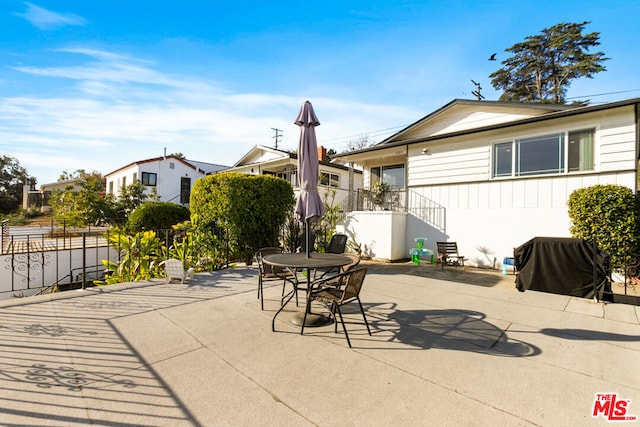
[
  {"x": 156, "y": 216},
  {"x": 252, "y": 208},
  {"x": 609, "y": 215}
]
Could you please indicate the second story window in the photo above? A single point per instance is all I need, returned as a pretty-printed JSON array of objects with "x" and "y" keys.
[{"x": 149, "y": 179}]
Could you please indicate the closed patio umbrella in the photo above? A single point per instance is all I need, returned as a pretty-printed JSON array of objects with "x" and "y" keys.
[{"x": 309, "y": 206}]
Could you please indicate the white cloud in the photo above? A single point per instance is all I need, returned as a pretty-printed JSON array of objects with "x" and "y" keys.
[
  {"x": 119, "y": 110},
  {"x": 47, "y": 20}
]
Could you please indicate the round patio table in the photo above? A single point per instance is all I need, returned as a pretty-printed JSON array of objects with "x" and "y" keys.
[{"x": 300, "y": 261}]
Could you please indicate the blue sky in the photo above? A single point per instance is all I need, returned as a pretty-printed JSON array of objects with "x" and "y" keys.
[{"x": 98, "y": 84}]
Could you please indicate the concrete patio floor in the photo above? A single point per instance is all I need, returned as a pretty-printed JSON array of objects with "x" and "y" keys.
[{"x": 442, "y": 352}]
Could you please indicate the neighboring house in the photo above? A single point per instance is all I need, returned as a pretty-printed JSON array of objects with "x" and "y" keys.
[
  {"x": 491, "y": 175},
  {"x": 32, "y": 198},
  {"x": 172, "y": 177},
  {"x": 262, "y": 160}
]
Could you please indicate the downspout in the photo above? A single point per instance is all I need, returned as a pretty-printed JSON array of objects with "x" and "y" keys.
[{"x": 350, "y": 188}]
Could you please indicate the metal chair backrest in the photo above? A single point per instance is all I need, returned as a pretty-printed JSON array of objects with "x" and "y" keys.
[
  {"x": 355, "y": 261},
  {"x": 265, "y": 268},
  {"x": 353, "y": 284},
  {"x": 337, "y": 244}
]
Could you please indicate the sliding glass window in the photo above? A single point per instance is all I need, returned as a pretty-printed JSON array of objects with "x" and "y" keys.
[{"x": 545, "y": 154}]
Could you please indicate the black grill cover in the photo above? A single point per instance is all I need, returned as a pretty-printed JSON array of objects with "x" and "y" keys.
[{"x": 562, "y": 266}]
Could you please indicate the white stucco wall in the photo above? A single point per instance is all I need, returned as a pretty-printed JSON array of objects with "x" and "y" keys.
[
  {"x": 381, "y": 234},
  {"x": 168, "y": 177}
]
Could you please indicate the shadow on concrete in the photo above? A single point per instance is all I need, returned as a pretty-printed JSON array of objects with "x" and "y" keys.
[
  {"x": 587, "y": 335},
  {"x": 450, "y": 329},
  {"x": 64, "y": 361}
]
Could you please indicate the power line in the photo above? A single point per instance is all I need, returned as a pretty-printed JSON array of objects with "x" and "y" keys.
[
  {"x": 379, "y": 132},
  {"x": 369, "y": 133},
  {"x": 603, "y": 94}
]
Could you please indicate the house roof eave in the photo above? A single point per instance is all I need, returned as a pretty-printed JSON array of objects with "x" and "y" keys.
[
  {"x": 155, "y": 159},
  {"x": 470, "y": 102},
  {"x": 565, "y": 112}
]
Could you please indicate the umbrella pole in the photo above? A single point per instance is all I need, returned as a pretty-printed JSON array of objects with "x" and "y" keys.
[{"x": 308, "y": 236}]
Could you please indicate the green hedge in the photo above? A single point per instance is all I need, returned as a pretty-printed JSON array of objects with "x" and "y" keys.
[
  {"x": 157, "y": 216},
  {"x": 609, "y": 215},
  {"x": 252, "y": 208}
]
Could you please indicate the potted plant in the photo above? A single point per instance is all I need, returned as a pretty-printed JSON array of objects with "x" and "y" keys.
[{"x": 378, "y": 192}]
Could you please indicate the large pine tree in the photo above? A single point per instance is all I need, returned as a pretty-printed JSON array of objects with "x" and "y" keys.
[{"x": 543, "y": 66}]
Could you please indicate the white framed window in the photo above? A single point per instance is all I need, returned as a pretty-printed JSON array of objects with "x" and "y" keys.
[
  {"x": 545, "y": 154},
  {"x": 149, "y": 179},
  {"x": 329, "y": 179},
  {"x": 581, "y": 150},
  {"x": 392, "y": 175}
]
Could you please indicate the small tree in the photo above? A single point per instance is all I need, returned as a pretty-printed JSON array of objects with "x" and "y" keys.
[
  {"x": 326, "y": 227},
  {"x": 608, "y": 215},
  {"x": 543, "y": 66},
  {"x": 131, "y": 196},
  {"x": 12, "y": 178}
]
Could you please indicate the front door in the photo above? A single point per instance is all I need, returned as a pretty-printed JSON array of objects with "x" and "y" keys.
[{"x": 185, "y": 190}]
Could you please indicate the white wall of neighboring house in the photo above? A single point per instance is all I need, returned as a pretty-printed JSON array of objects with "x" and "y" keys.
[
  {"x": 261, "y": 160},
  {"x": 169, "y": 174}
]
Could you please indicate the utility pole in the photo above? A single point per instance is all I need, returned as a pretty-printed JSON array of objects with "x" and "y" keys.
[
  {"x": 477, "y": 91},
  {"x": 277, "y": 136}
]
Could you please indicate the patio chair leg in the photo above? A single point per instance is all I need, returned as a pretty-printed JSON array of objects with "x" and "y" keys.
[
  {"x": 304, "y": 319},
  {"x": 346, "y": 334},
  {"x": 333, "y": 316},
  {"x": 363, "y": 316}
]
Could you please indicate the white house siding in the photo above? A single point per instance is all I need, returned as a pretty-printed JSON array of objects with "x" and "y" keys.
[
  {"x": 464, "y": 117},
  {"x": 489, "y": 217},
  {"x": 457, "y": 161},
  {"x": 168, "y": 179}
]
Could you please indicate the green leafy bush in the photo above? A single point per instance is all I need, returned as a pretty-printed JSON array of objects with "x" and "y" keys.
[
  {"x": 609, "y": 215},
  {"x": 198, "y": 246},
  {"x": 140, "y": 258},
  {"x": 156, "y": 216},
  {"x": 251, "y": 208}
]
